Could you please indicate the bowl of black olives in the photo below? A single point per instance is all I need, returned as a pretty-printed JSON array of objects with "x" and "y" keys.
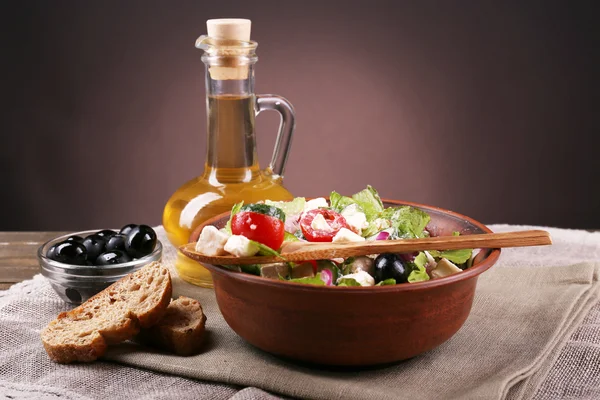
[{"x": 81, "y": 264}]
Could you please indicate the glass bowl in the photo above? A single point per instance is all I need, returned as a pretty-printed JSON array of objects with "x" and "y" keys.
[{"x": 77, "y": 283}]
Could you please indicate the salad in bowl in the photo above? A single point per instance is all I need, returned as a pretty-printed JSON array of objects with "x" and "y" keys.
[{"x": 267, "y": 228}]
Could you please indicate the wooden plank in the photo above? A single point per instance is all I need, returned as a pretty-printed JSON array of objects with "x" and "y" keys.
[
  {"x": 18, "y": 255},
  {"x": 33, "y": 237}
]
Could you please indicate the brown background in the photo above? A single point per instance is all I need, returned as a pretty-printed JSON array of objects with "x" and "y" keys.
[{"x": 484, "y": 108}]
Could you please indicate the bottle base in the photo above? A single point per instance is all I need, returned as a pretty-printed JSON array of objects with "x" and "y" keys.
[{"x": 193, "y": 272}]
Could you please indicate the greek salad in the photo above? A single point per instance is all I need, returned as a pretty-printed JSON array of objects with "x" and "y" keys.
[{"x": 266, "y": 228}]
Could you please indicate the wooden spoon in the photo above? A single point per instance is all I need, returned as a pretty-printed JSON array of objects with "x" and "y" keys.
[{"x": 302, "y": 251}]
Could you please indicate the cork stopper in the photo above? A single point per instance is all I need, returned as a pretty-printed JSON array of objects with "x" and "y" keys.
[{"x": 229, "y": 29}]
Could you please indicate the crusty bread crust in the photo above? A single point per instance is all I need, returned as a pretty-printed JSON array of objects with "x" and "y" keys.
[
  {"x": 182, "y": 329},
  {"x": 116, "y": 314}
]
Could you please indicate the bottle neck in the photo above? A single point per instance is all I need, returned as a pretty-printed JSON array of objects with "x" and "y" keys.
[{"x": 231, "y": 110}]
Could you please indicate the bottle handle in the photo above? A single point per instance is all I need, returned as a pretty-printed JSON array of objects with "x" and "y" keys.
[{"x": 287, "y": 125}]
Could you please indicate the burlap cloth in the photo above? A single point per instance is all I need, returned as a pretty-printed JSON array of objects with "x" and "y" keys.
[{"x": 533, "y": 332}]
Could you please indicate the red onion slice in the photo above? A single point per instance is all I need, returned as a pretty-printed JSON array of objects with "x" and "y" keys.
[
  {"x": 327, "y": 277},
  {"x": 383, "y": 235}
]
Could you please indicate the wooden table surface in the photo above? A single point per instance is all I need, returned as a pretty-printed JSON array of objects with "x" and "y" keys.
[{"x": 18, "y": 255}]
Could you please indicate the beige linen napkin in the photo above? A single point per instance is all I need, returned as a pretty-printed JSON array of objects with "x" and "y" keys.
[{"x": 520, "y": 319}]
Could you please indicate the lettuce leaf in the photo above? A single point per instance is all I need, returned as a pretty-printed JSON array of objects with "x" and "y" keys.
[
  {"x": 348, "y": 282},
  {"x": 456, "y": 256},
  {"x": 234, "y": 210},
  {"x": 420, "y": 260},
  {"x": 390, "y": 281},
  {"x": 293, "y": 207},
  {"x": 370, "y": 202},
  {"x": 419, "y": 273},
  {"x": 338, "y": 202},
  {"x": 408, "y": 222},
  {"x": 375, "y": 226},
  {"x": 264, "y": 250},
  {"x": 310, "y": 280}
]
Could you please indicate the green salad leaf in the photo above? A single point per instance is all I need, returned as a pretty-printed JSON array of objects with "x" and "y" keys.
[
  {"x": 348, "y": 282},
  {"x": 347, "y": 265},
  {"x": 456, "y": 256},
  {"x": 390, "y": 281},
  {"x": 376, "y": 226},
  {"x": 310, "y": 280},
  {"x": 293, "y": 207},
  {"x": 264, "y": 250},
  {"x": 234, "y": 210},
  {"x": 408, "y": 222},
  {"x": 419, "y": 273},
  {"x": 339, "y": 202},
  {"x": 420, "y": 260},
  {"x": 369, "y": 201}
]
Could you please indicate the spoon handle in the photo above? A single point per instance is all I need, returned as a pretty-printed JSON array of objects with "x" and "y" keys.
[
  {"x": 302, "y": 251},
  {"x": 486, "y": 240}
]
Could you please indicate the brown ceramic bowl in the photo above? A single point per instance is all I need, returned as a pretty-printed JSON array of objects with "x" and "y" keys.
[{"x": 352, "y": 326}]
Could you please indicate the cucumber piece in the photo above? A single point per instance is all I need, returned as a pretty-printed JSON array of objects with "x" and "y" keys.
[
  {"x": 288, "y": 237},
  {"x": 253, "y": 269},
  {"x": 265, "y": 209}
]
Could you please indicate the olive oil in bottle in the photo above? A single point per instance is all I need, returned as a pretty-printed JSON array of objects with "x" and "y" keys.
[{"x": 231, "y": 171}]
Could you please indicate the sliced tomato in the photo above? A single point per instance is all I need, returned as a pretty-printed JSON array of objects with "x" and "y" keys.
[
  {"x": 261, "y": 228},
  {"x": 334, "y": 220}
]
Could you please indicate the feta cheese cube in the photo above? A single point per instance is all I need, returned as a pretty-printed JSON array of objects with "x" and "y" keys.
[
  {"x": 361, "y": 277},
  {"x": 444, "y": 268},
  {"x": 315, "y": 203},
  {"x": 355, "y": 218},
  {"x": 211, "y": 241},
  {"x": 320, "y": 224},
  {"x": 346, "y": 235},
  {"x": 240, "y": 246}
]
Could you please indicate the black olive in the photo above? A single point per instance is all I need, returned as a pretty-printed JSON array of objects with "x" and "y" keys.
[
  {"x": 140, "y": 241},
  {"x": 116, "y": 242},
  {"x": 73, "y": 295},
  {"x": 95, "y": 245},
  {"x": 391, "y": 266},
  {"x": 106, "y": 233},
  {"x": 70, "y": 253},
  {"x": 112, "y": 257},
  {"x": 127, "y": 228},
  {"x": 51, "y": 253},
  {"x": 75, "y": 238}
]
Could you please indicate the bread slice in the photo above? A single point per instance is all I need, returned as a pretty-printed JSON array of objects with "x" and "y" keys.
[
  {"x": 116, "y": 314},
  {"x": 180, "y": 331}
]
